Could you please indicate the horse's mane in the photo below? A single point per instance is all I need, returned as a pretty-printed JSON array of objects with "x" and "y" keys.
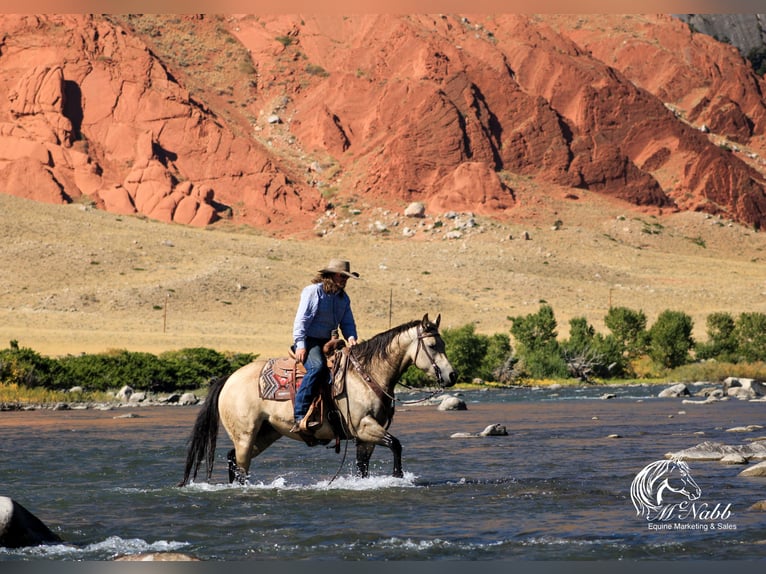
[{"x": 378, "y": 345}]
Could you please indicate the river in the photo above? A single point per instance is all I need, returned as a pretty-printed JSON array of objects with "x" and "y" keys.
[{"x": 556, "y": 488}]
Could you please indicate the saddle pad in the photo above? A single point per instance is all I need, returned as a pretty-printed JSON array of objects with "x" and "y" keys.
[{"x": 278, "y": 380}]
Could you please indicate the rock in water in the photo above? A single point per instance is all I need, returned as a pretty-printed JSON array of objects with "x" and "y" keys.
[{"x": 19, "y": 527}]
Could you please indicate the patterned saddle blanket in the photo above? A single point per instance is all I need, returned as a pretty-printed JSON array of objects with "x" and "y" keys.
[{"x": 281, "y": 378}]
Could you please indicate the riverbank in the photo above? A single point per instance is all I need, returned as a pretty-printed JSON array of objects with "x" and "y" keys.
[{"x": 700, "y": 392}]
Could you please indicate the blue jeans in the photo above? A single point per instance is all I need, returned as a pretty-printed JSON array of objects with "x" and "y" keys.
[{"x": 317, "y": 373}]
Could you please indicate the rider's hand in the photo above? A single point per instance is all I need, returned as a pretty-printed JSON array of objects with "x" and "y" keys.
[
  {"x": 300, "y": 355},
  {"x": 351, "y": 341}
]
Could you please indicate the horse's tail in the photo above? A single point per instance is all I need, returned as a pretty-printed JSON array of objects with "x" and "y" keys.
[{"x": 204, "y": 435}]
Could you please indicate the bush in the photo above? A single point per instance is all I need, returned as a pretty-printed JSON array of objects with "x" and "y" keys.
[
  {"x": 629, "y": 330},
  {"x": 171, "y": 371},
  {"x": 25, "y": 367},
  {"x": 590, "y": 354},
  {"x": 471, "y": 354}
]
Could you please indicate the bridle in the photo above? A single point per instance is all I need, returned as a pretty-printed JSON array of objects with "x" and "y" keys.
[
  {"x": 422, "y": 335},
  {"x": 381, "y": 392}
]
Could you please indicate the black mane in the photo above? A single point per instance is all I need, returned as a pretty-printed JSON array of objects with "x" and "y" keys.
[{"x": 365, "y": 351}]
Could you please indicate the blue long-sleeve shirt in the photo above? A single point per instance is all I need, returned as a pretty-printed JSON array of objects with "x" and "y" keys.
[{"x": 320, "y": 312}]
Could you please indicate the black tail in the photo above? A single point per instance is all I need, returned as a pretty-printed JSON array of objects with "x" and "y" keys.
[{"x": 204, "y": 435}]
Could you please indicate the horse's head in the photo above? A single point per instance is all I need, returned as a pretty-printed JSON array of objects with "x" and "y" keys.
[{"x": 427, "y": 352}]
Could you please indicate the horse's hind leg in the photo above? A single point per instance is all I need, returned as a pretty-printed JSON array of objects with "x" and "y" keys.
[
  {"x": 236, "y": 473},
  {"x": 239, "y": 460}
]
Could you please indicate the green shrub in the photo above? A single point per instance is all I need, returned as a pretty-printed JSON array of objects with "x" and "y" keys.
[
  {"x": 590, "y": 354},
  {"x": 25, "y": 367},
  {"x": 171, "y": 371}
]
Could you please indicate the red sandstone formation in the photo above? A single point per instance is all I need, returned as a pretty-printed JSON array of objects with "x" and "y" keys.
[{"x": 390, "y": 109}]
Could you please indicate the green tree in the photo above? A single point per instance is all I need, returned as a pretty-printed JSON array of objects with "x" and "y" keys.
[
  {"x": 588, "y": 353},
  {"x": 629, "y": 329},
  {"x": 466, "y": 350},
  {"x": 751, "y": 336},
  {"x": 757, "y": 57},
  {"x": 495, "y": 358},
  {"x": 722, "y": 339},
  {"x": 671, "y": 339},
  {"x": 539, "y": 352}
]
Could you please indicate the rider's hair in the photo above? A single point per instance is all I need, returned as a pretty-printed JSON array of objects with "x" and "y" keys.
[{"x": 328, "y": 283}]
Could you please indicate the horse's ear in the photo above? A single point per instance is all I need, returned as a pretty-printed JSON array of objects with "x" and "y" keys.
[
  {"x": 425, "y": 320},
  {"x": 438, "y": 320}
]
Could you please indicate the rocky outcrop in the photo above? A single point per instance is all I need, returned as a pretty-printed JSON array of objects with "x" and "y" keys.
[
  {"x": 90, "y": 111},
  {"x": 444, "y": 110}
]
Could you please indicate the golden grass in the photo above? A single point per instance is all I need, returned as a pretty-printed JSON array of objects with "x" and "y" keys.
[{"x": 81, "y": 280}]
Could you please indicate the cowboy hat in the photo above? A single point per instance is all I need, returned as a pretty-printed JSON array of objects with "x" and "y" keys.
[{"x": 340, "y": 266}]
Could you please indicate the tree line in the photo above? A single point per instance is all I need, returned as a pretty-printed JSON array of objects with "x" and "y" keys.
[{"x": 631, "y": 349}]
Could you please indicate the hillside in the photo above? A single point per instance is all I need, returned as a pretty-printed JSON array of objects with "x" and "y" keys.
[{"x": 271, "y": 121}]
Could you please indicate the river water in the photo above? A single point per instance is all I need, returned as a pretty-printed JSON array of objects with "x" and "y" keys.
[{"x": 556, "y": 488}]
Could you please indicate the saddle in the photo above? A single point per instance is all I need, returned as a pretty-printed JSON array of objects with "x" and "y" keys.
[{"x": 281, "y": 378}]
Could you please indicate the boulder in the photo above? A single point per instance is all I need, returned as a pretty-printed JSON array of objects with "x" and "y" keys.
[
  {"x": 675, "y": 391},
  {"x": 450, "y": 403},
  {"x": 124, "y": 393},
  {"x": 188, "y": 399},
  {"x": 495, "y": 430},
  {"x": 743, "y": 389},
  {"x": 19, "y": 527},
  {"x": 415, "y": 209}
]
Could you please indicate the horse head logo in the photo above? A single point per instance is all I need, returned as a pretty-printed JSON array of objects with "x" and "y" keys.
[{"x": 660, "y": 487}]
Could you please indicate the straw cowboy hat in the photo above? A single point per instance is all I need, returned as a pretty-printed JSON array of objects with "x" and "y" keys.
[{"x": 340, "y": 266}]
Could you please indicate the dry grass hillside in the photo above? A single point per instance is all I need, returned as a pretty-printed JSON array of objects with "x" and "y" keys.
[{"x": 76, "y": 279}]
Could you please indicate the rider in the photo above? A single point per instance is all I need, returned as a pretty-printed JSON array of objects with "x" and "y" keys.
[{"x": 324, "y": 305}]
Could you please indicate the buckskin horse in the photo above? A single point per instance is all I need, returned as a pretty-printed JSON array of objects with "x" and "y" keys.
[{"x": 364, "y": 404}]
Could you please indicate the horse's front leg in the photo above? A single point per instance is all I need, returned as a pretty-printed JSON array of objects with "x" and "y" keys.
[{"x": 371, "y": 433}]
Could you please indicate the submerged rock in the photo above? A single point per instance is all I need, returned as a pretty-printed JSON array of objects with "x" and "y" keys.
[
  {"x": 755, "y": 470},
  {"x": 710, "y": 450},
  {"x": 491, "y": 430}
]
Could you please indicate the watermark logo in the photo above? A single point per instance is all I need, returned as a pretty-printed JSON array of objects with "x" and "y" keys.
[{"x": 667, "y": 496}]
